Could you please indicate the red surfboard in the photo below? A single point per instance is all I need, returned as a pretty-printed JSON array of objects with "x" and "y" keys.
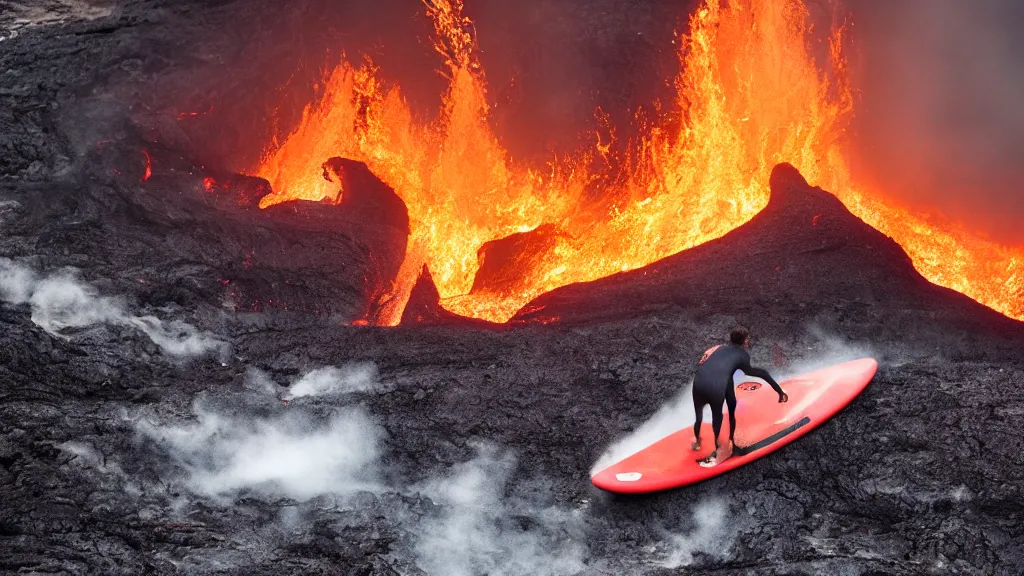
[{"x": 763, "y": 425}]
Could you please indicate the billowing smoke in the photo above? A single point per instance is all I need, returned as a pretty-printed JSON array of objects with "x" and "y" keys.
[
  {"x": 711, "y": 535},
  {"x": 332, "y": 381},
  {"x": 291, "y": 453},
  {"x": 940, "y": 118},
  {"x": 482, "y": 517},
  {"x": 61, "y": 301},
  {"x": 472, "y": 527},
  {"x": 480, "y": 531}
]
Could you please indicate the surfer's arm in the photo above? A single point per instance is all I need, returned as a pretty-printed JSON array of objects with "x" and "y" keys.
[{"x": 763, "y": 375}]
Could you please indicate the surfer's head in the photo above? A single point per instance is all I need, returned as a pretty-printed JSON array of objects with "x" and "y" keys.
[{"x": 740, "y": 336}]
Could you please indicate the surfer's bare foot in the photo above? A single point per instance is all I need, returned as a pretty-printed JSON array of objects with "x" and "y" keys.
[
  {"x": 711, "y": 459},
  {"x": 696, "y": 445}
]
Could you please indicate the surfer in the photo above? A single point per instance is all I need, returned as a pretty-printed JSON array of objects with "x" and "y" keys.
[{"x": 713, "y": 384}]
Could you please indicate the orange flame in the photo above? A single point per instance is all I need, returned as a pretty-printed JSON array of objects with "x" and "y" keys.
[
  {"x": 752, "y": 95},
  {"x": 149, "y": 167}
]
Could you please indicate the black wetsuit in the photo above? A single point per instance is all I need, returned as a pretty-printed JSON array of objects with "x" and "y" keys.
[{"x": 713, "y": 384}]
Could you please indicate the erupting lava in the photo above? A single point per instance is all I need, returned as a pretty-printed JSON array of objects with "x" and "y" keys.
[{"x": 752, "y": 94}]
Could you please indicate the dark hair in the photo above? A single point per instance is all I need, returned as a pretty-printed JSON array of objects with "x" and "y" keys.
[{"x": 739, "y": 335}]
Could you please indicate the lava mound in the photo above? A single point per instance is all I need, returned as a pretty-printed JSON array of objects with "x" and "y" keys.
[{"x": 805, "y": 250}]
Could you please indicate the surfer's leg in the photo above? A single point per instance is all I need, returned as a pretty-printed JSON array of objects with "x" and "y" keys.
[
  {"x": 698, "y": 410},
  {"x": 716, "y": 419},
  {"x": 716, "y": 425},
  {"x": 730, "y": 400}
]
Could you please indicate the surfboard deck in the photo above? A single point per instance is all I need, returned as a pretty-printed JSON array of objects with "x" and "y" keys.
[{"x": 763, "y": 425}]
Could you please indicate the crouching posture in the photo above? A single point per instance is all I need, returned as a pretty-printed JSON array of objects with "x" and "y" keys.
[{"x": 713, "y": 384}]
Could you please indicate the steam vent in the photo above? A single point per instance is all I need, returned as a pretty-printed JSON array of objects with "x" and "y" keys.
[{"x": 380, "y": 288}]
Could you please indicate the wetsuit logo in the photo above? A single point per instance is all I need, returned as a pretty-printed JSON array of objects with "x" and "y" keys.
[{"x": 708, "y": 354}]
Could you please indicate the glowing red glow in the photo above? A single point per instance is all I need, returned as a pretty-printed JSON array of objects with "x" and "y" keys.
[{"x": 185, "y": 115}]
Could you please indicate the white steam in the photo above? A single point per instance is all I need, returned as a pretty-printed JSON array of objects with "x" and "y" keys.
[
  {"x": 333, "y": 381},
  {"x": 175, "y": 337},
  {"x": 61, "y": 301},
  {"x": 711, "y": 535},
  {"x": 16, "y": 282},
  {"x": 88, "y": 456},
  {"x": 478, "y": 531},
  {"x": 291, "y": 455},
  {"x": 824, "y": 350},
  {"x": 669, "y": 419}
]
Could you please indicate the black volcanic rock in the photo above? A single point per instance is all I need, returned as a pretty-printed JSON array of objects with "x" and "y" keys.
[
  {"x": 364, "y": 195},
  {"x": 304, "y": 256},
  {"x": 424, "y": 307},
  {"x": 235, "y": 191},
  {"x": 504, "y": 262},
  {"x": 804, "y": 249},
  {"x": 147, "y": 217}
]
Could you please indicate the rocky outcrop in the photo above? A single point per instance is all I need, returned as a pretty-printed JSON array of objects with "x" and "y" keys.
[{"x": 804, "y": 249}]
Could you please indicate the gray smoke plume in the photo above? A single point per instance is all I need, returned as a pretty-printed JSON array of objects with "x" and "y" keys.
[
  {"x": 940, "y": 119},
  {"x": 293, "y": 454},
  {"x": 712, "y": 534},
  {"x": 227, "y": 449},
  {"x": 333, "y": 381},
  {"x": 61, "y": 301},
  {"x": 480, "y": 531}
]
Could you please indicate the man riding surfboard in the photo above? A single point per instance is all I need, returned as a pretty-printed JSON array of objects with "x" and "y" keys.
[{"x": 713, "y": 385}]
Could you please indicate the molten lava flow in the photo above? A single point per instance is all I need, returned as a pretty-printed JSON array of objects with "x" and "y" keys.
[{"x": 496, "y": 234}]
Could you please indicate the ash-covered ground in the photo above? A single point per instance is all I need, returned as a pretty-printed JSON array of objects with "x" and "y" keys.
[{"x": 181, "y": 393}]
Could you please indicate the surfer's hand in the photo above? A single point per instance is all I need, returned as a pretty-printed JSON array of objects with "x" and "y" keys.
[{"x": 783, "y": 398}]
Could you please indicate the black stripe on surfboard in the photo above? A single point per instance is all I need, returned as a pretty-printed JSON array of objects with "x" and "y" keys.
[{"x": 742, "y": 451}]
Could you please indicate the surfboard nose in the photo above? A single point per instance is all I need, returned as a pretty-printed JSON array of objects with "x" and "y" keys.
[{"x": 864, "y": 367}]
